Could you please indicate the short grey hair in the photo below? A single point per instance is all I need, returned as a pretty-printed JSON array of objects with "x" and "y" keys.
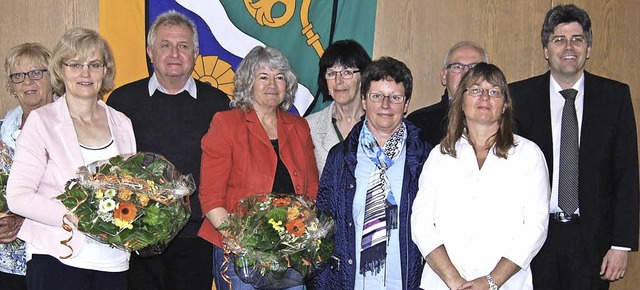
[
  {"x": 465, "y": 43},
  {"x": 172, "y": 17},
  {"x": 262, "y": 57}
]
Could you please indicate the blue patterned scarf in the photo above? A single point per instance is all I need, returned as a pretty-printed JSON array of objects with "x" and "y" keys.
[{"x": 381, "y": 210}]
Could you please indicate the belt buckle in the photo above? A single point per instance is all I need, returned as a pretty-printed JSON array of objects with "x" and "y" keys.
[{"x": 562, "y": 217}]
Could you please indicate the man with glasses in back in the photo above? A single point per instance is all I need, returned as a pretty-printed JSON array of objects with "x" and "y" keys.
[
  {"x": 432, "y": 120},
  {"x": 585, "y": 126}
]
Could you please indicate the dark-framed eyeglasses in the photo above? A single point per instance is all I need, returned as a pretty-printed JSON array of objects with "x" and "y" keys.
[
  {"x": 394, "y": 99},
  {"x": 346, "y": 74},
  {"x": 34, "y": 75},
  {"x": 457, "y": 67},
  {"x": 493, "y": 93}
]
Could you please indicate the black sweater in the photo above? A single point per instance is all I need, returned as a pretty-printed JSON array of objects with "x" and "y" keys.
[{"x": 172, "y": 126}]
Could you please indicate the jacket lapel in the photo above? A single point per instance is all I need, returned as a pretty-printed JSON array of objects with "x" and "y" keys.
[
  {"x": 66, "y": 132},
  {"x": 326, "y": 133},
  {"x": 118, "y": 131},
  {"x": 255, "y": 127}
]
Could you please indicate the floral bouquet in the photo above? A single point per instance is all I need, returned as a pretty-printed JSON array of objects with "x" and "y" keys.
[
  {"x": 139, "y": 202},
  {"x": 4, "y": 209},
  {"x": 278, "y": 241},
  {"x": 6, "y": 159},
  {"x": 5, "y": 165}
]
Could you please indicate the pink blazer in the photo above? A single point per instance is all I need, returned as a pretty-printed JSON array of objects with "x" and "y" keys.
[{"x": 48, "y": 155}]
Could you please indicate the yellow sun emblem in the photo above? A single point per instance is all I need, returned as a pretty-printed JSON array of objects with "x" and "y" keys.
[{"x": 216, "y": 72}]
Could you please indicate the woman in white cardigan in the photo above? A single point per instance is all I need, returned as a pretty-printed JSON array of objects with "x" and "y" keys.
[{"x": 339, "y": 77}]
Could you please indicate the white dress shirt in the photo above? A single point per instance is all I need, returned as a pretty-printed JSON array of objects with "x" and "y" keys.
[{"x": 190, "y": 87}]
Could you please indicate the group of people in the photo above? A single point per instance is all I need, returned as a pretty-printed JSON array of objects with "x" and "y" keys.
[{"x": 464, "y": 194}]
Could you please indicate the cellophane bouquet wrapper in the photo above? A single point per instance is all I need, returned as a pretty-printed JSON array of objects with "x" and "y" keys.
[
  {"x": 139, "y": 202},
  {"x": 278, "y": 241}
]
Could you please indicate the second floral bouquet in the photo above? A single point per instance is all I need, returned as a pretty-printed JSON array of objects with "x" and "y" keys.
[
  {"x": 139, "y": 201},
  {"x": 278, "y": 241}
]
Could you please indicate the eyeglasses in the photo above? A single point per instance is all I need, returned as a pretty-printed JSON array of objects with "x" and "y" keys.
[
  {"x": 576, "y": 41},
  {"x": 78, "y": 67},
  {"x": 34, "y": 75},
  {"x": 457, "y": 67},
  {"x": 394, "y": 99},
  {"x": 346, "y": 74},
  {"x": 478, "y": 92}
]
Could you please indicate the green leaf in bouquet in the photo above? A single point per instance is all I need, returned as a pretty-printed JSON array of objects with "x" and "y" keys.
[
  {"x": 156, "y": 169},
  {"x": 153, "y": 216}
]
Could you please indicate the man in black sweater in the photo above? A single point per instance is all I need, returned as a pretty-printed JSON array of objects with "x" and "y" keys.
[
  {"x": 432, "y": 120},
  {"x": 170, "y": 112}
]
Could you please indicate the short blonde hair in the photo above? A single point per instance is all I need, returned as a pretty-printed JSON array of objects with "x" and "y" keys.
[{"x": 81, "y": 43}]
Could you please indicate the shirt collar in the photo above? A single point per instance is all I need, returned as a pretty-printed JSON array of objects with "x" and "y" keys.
[
  {"x": 190, "y": 86},
  {"x": 578, "y": 86}
]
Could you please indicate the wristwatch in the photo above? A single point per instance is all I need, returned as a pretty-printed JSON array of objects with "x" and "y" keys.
[{"x": 492, "y": 284}]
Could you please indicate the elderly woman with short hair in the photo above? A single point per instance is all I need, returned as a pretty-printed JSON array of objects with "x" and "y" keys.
[
  {"x": 368, "y": 186},
  {"x": 29, "y": 82},
  {"x": 258, "y": 147},
  {"x": 55, "y": 141}
]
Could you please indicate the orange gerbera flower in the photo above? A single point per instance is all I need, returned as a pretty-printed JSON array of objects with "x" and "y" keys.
[
  {"x": 126, "y": 211},
  {"x": 296, "y": 227},
  {"x": 283, "y": 201}
]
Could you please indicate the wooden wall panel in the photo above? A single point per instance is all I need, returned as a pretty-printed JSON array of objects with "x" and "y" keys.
[{"x": 39, "y": 21}]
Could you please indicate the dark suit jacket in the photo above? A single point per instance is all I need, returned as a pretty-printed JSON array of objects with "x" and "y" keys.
[
  {"x": 608, "y": 185},
  {"x": 432, "y": 120}
]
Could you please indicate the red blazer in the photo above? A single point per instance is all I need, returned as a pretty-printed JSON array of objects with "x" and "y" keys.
[{"x": 238, "y": 160}]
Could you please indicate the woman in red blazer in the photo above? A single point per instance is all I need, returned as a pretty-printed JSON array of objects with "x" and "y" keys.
[{"x": 256, "y": 148}]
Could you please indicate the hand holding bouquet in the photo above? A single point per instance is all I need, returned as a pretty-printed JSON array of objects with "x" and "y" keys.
[
  {"x": 139, "y": 202},
  {"x": 270, "y": 234}
]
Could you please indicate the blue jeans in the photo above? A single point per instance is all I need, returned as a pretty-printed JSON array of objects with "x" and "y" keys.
[{"x": 221, "y": 284}]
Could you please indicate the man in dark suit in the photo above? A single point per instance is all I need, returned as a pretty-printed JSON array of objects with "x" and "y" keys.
[
  {"x": 587, "y": 245},
  {"x": 170, "y": 112},
  {"x": 432, "y": 120}
]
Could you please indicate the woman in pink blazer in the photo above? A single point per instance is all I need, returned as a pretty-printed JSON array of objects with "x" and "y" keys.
[{"x": 76, "y": 130}]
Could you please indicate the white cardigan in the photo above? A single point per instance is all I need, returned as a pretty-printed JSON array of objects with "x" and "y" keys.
[{"x": 323, "y": 134}]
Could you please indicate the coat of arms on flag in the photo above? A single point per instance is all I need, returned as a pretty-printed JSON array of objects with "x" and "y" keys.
[{"x": 228, "y": 29}]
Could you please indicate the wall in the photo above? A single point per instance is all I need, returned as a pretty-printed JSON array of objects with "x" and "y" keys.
[
  {"x": 39, "y": 21},
  {"x": 416, "y": 31}
]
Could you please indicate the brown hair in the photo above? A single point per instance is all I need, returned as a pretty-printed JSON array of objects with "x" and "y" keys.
[{"x": 503, "y": 139}]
